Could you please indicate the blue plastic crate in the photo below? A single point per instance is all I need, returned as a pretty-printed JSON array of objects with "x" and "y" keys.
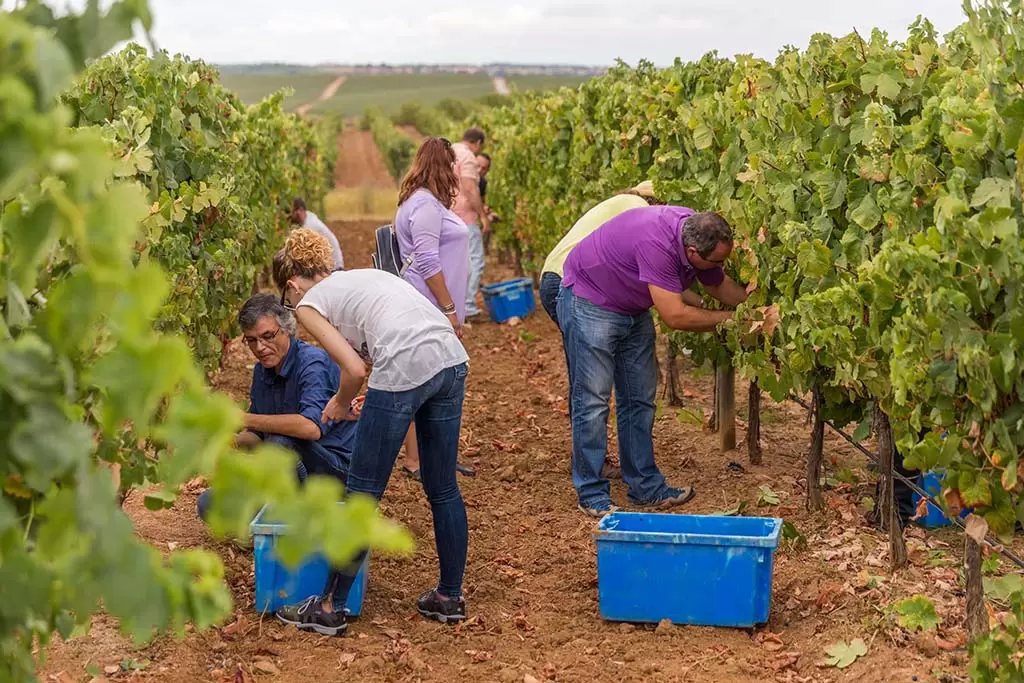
[
  {"x": 277, "y": 586},
  {"x": 690, "y": 569},
  {"x": 931, "y": 482},
  {"x": 511, "y": 299}
]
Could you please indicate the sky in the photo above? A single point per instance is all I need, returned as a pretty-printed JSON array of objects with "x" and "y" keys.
[{"x": 522, "y": 31}]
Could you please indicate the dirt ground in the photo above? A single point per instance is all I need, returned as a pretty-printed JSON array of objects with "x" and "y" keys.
[
  {"x": 531, "y": 581},
  {"x": 359, "y": 161}
]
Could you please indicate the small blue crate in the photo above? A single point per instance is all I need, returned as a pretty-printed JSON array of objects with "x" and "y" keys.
[
  {"x": 276, "y": 585},
  {"x": 511, "y": 299},
  {"x": 931, "y": 482},
  {"x": 690, "y": 569}
]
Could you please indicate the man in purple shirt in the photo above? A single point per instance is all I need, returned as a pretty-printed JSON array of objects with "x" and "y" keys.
[{"x": 645, "y": 257}]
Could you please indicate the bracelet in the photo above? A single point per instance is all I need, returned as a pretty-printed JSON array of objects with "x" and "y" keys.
[{"x": 449, "y": 309}]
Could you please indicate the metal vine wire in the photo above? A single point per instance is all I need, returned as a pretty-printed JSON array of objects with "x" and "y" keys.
[{"x": 993, "y": 543}]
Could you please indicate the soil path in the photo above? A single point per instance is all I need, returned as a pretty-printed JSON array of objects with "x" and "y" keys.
[
  {"x": 327, "y": 94},
  {"x": 531, "y": 582},
  {"x": 360, "y": 163}
]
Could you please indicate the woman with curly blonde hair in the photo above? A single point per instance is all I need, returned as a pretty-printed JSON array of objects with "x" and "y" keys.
[{"x": 418, "y": 377}]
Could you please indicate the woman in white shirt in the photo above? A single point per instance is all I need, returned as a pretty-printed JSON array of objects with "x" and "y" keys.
[{"x": 418, "y": 376}]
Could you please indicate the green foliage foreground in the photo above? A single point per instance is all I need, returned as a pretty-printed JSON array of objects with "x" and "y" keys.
[
  {"x": 875, "y": 190},
  {"x": 85, "y": 379}
]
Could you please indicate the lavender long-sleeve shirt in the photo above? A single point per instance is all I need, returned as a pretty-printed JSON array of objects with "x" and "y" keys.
[{"x": 440, "y": 242}]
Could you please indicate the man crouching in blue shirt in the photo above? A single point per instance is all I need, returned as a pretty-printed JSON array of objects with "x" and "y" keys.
[{"x": 291, "y": 384}]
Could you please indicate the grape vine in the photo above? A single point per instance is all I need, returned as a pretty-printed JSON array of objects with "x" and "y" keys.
[
  {"x": 90, "y": 216},
  {"x": 874, "y": 190}
]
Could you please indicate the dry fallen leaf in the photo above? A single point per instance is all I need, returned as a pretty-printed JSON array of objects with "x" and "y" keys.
[
  {"x": 265, "y": 667},
  {"x": 480, "y": 655},
  {"x": 977, "y": 528},
  {"x": 783, "y": 660},
  {"x": 346, "y": 658},
  {"x": 527, "y": 678}
]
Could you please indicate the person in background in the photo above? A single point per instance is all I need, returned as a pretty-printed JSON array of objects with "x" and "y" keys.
[
  {"x": 470, "y": 208},
  {"x": 643, "y": 258},
  {"x": 428, "y": 228},
  {"x": 483, "y": 161},
  {"x": 418, "y": 375},
  {"x": 292, "y": 382},
  {"x": 483, "y": 164},
  {"x": 305, "y": 218}
]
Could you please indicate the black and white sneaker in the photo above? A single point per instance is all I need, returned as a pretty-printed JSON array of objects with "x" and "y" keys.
[
  {"x": 309, "y": 615},
  {"x": 441, "y": 608}
]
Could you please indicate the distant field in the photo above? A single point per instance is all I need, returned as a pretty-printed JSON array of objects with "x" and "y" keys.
[
  {"x": 391, "y": 91},
  {"x": 543, "y": 82},
  {"x": 254, "y": 87}
]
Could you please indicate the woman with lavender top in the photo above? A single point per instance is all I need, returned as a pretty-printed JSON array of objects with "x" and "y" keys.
[{"x": 428, "y": 229}]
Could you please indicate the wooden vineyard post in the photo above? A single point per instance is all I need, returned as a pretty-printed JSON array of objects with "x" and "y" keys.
[
  {"x": 815, "y": 500},
  {"x": 725, "y": 405},
  {"x": 888, "y": 512},
  {"x": 672, "y": 376},
  {"x": 977, "y": 615},
  {"x": 754, "y": 423}
]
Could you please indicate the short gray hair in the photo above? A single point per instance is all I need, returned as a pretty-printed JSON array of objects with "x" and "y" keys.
[
  {"x": 261, "y": 305},
  {"x": 704, "y": 231}
]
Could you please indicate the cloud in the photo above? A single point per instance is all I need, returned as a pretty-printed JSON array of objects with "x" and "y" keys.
[{"x": 566, "y": 31}]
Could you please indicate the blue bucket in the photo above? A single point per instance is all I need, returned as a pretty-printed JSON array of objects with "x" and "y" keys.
[
  {"x": 277, "y": 585},
  {"x": 689, "y": 569},
  {"x": 511, "y": 299}
]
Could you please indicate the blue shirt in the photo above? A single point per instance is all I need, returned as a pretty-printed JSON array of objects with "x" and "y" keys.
[{"x": 305, "y": 382}]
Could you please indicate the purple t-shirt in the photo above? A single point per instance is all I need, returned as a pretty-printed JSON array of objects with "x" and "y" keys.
[
  {"x": 613, "y": 266},
  {"x": 440, "y": 242}
]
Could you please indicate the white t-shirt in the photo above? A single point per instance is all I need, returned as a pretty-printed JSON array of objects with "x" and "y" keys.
[
  {"x": 314, "y": 223},
  {"x": 390, "y": 324}
]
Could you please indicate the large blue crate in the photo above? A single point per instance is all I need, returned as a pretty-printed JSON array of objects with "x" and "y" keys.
[
  {"x": 690, "y": 569},
  {"x": 931, "y": 482},
  {"x": 511, "y": 299},
  {"x": 276, "y": 585}
]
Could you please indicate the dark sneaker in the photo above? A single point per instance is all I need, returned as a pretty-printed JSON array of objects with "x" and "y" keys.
[
  {"x": 309, "y": 615},
  {"x": 668, "y": 498},
  {"x": 598, "y": 509},
  {"x": 441, "y": 608}
]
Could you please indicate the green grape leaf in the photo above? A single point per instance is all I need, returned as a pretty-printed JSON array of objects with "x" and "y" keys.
[
  {"x": 842, "y": 655},
  {"x": 917, "y": 613}
]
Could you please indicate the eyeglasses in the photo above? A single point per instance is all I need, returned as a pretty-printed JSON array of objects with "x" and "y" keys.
[{"x": 266, "y": 338}]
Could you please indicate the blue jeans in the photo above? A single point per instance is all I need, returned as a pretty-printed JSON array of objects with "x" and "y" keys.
[
  {"x": 313, "y": 459},
  {"x": 607, "y": 349},
  {"x": 476, "y": 268},
  {"x": 550, "y": 285},
  {"x": 436, "y": 408}
]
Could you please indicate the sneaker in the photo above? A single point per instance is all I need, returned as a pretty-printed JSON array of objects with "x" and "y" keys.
[
  {"x": 441, "y": 608},
  {"x": 309, "y": 615},
  {"x": 668, "y": 498},
  {"x": 599, "y": 509}
]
